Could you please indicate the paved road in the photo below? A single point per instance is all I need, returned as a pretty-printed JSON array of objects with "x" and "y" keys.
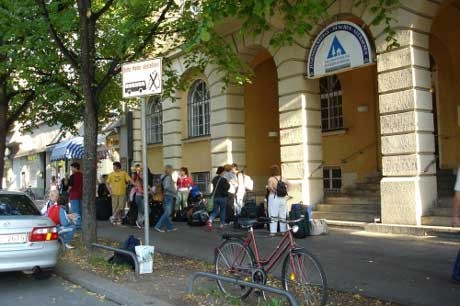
[
  {"x": 24, "y": 290},
  {"x": 409, "y": 270}
]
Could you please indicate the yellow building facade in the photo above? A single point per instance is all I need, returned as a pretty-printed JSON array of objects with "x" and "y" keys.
[{"x": 396, "y": 120}]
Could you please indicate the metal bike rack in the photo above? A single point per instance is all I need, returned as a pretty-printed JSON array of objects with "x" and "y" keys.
[
  {"x": 121, "y": 251},
  {"x": 285, "y": 293}
]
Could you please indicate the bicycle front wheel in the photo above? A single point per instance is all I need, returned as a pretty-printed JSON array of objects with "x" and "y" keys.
[
  {"x": 303, "y": 276},
  {"x": 234, "y": 260}
]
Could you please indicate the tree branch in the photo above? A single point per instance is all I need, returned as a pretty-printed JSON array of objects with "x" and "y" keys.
[
  {"x": 152, "y": 32},
  {"x": 104, "y": 9},
  {"x": 115, "y": 65},
  {"x": 70, "y": 56},
  {"x": 25, "y": 104}
]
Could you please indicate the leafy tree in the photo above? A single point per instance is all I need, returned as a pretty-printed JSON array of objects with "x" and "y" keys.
[{"x": 96, "y": 37}]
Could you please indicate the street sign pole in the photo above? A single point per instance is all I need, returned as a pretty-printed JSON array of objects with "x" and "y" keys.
[
  {"x": 143, "y": 79},
  {"x": 145, "y": 176}
]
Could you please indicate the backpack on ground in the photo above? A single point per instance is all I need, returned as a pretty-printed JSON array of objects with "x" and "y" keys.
[
  {"x": 304, "y": 225},
  {"x": 281, "y": 188},
  {"x": 249, "y": 210},
  {"x": 181, "y": 215},
  {"x": 129, "y": 245},
  {"x": 103, "y": 208},
  {"x": 197, "y": 218}
]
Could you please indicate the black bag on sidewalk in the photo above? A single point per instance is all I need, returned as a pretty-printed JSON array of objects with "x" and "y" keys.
[
  {"x": 181, "y": 215},
  {"x": 156, "y": 210},
  {"x": 129, "y": 245},
  {"x": 103, "y": 208},
  {"x": 304, "y": 225},
  {"x": 131, "y": 216}
]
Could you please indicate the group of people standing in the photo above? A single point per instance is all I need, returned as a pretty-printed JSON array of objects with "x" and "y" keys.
[{"x": 228, "y": 194}]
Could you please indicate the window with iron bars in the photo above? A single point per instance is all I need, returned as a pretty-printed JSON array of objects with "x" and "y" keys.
[
  {"x": 154, "y": 122},
  {"x": 202, "y": 180},
  {"x": 331, "y": 103},
  {"x": 198, "y": 110},
  {"x": 332, "y": 179}
]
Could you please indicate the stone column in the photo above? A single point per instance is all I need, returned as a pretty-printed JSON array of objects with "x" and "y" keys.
[
  {"x": 172, "y": 133},
  {"x": 300, "y": 126},
  {"x": 227, "y": 125},
  {"x": 408, "y": 187}
]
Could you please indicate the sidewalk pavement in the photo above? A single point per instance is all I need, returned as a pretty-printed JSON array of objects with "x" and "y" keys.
[{"x": 404, "y": 269}]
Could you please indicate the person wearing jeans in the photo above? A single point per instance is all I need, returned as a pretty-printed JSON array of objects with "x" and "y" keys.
[
  {"x": 170, "y": 194},
  {"x": 220, "y": 187},
  {"x": 76, "y": 192},
  {"x": 139, "y": 197}
]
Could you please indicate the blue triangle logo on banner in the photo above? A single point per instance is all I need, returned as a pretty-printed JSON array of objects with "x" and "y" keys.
[{"x": 336, "y": 49}]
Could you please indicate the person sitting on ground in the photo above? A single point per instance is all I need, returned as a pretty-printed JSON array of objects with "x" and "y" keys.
[{"x": 65, "y": 223}]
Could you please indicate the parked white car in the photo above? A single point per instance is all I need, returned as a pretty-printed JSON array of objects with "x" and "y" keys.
[{"x": 28, "y": 240}]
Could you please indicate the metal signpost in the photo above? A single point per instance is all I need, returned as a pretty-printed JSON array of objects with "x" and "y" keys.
[{"x": 141, "y": 79}]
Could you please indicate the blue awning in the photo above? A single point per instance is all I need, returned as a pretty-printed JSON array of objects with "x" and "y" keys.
[{"x": 73, "y": 149}]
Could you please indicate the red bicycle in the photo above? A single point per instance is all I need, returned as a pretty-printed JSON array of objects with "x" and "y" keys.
[{"x": 238, "y": 257}]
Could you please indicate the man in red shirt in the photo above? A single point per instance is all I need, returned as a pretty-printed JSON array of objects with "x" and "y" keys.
[{"x": 75, "y": 191}]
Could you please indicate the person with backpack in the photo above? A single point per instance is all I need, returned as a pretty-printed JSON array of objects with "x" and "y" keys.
[
  {"x": 230, "y": 174},
  {"x": 220, "y": 187},
  {"x": 170, "y": 194},
  {"x": 277, "y": 203},
  {"x": 65, "y": 223}
]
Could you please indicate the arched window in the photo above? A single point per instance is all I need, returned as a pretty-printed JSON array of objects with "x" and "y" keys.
[
  {"x": 154, "y": 121},
  {"x": 198, "y": 109},
  {"x": 331, "y": 103}
]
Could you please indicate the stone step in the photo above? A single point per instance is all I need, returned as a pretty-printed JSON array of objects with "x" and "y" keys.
[
  {"x": 359, "y": 193},
  {"x": 344, "y": 199},
  {"x": 345, "y": 216},
  {"x": 437, "y": 221},
  {"x": 441, "y": 212},
  {"x": 368, "y": 186},
  {"x": 349, "y": 208}
]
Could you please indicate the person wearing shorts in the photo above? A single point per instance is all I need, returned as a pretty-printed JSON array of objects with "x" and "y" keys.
[
  {"x": 117, "y": 181},
  {"x": 456, "y": 206}
]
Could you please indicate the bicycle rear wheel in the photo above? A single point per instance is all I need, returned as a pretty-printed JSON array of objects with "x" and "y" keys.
[
  {"x": 234, "y": 260},
  {"x": 303, "y": 276}
]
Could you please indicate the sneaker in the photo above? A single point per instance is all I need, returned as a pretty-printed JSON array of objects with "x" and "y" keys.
[
  {"x": 111, "y": 219},
  {"x": 69, "y": 246},
  {"x": 209, "y": 226},
  {"x": 158, "y": 229},
  {"x": 221, "y": 227},
  {"x": 138, "y": 225},
  {"x": 272, "y": 235},
  {"x": 174, "y": 229}
]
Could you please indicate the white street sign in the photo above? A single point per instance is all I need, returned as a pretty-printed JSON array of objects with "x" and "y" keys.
[{"x": 141, "y": 78}]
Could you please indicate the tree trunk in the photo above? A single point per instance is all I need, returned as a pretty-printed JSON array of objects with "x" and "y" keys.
[
  {"x": 3, "y": 124},
  {"x": 87, "y": 79},
  {"x": 3, "y": 133}
]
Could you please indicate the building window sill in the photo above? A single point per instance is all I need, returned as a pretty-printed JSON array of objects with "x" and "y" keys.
[
  {"x": 335, "y": 132},
  {"x": 154, "y": 145},
  {"x": 196, "y": 139}
]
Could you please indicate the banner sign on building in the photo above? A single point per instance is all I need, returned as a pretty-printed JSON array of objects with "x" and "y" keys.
[
  {"x": 340, "y": 46},
  {"x": 141, "y": 78}
]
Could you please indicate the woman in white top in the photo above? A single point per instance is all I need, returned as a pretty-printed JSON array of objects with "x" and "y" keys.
[
  {"x": 456, "y": 206},
  {"x": 277, "y": 205}
]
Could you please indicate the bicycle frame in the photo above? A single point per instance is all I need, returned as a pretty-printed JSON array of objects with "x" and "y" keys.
[{"x": 286, "y": 244}]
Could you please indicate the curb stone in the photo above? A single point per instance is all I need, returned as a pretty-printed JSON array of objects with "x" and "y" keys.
[{"x": 112, "y": 291}]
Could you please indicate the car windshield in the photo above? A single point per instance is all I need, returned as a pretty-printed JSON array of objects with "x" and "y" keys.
[{"x": 17, "y": 205}]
